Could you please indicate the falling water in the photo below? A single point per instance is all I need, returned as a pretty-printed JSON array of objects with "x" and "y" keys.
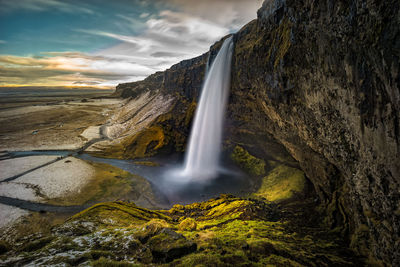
[{"x": 202, "y": 156}]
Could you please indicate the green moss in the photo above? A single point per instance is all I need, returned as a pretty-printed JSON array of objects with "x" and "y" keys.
[
  {"x": 200, "y": 260},
  {"x": 151, "y": 228},
  {"x": 118, "y": 212},
  {"x": 282, "y": 183},
  {"x": 187, "y": 224},
  {"x": 248, "y": 162},
  {"x": 104, "y": 262},
  {"x": 169, "y": 245},
  {"x": 275, "y": 260},
  {"x": 234, "y": 208},
  {"x": 225, "y": 231},
  {"x": 147, "y": 163},
  {"x": 37, "y": 244},
  {"x": 145, "y": 143}
]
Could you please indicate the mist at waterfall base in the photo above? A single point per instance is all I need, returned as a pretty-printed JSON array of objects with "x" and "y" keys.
[{"x": 202, "y": 169}]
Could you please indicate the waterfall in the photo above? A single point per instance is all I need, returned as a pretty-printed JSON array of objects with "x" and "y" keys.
[{"x": 202, "y": 156}]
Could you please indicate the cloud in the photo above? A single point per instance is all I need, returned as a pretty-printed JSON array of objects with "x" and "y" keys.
[
  {"x": 167, "y": 39},
  {"x": 138, "y": 42},
  {"x": 171, "y": 36},
  {"x": 68, "y": 67},
  {"x": 44, "y": 5},
  {"x": 149, "y": 42},
  {"x": 144, "y": 15},
  {"x": 166, "y": 54},
  {"x": 2, "y": 42},
  {"x": 228, "y": 13}
]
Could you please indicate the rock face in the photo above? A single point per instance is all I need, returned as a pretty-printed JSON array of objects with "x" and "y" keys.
[
  {"x": 321, "y": 79},
  {"x": 324, "y": 76}
]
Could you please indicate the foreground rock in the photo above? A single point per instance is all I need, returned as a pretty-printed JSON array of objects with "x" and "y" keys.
[{"x": 225, "y": 231}]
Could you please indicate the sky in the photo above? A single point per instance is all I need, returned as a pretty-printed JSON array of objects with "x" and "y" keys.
[{"x": 104, "y": 43}]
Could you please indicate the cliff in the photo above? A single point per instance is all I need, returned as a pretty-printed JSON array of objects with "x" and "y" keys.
[
  {"x": 324, "y": 79},
  {"x": 321, "y": 79}
]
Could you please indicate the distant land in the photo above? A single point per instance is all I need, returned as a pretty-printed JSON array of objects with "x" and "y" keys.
[{"x": 11, "y": 97}]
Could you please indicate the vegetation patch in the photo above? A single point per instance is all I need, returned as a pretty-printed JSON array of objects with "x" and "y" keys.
[
  {"x": 188, "y": 224},
  {"x": 147, "y": 163},
  {"x": 145, "y": 143},
  {"x": 282, "y": 183},
  {"x": 104, "y": 262},
  {"x": 248, "y": 162}
]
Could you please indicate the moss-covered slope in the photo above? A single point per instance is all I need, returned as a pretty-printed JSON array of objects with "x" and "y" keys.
[{"x": 226, "y": 231}]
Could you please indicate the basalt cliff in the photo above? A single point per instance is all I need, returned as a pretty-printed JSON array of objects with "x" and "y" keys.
[{"x": 318, "y": 80}]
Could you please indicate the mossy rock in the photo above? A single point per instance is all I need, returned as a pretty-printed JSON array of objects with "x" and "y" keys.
[
  {"x": 36, "y": 244},
  {"x": 282, "y": 183},
  {"x": 248, "y": 162},
  {"x": 120, "y": 213},
  {"x": 187, "y": 224},
  {"x": 151, "y": 228},
  {"x": 169, "y": 245},
  {"x": 104, "y": 262},
  {"x": 201, "y": 260},
  {"x": 230, "y": 231}
]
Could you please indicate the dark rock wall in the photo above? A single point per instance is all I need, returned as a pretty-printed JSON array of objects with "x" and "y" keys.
[
  {"x": 325, "y": 77},
  {"x": 322, "y": 79}
]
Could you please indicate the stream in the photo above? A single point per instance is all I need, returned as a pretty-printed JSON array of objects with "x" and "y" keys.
[{"x": 228, "y": 182}]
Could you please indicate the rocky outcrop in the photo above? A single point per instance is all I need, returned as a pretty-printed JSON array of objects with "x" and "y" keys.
[{"x": 321, "y": 79}]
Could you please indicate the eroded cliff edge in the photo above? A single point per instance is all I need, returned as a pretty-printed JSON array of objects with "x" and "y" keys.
[{"x": 322, "y": 79}]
